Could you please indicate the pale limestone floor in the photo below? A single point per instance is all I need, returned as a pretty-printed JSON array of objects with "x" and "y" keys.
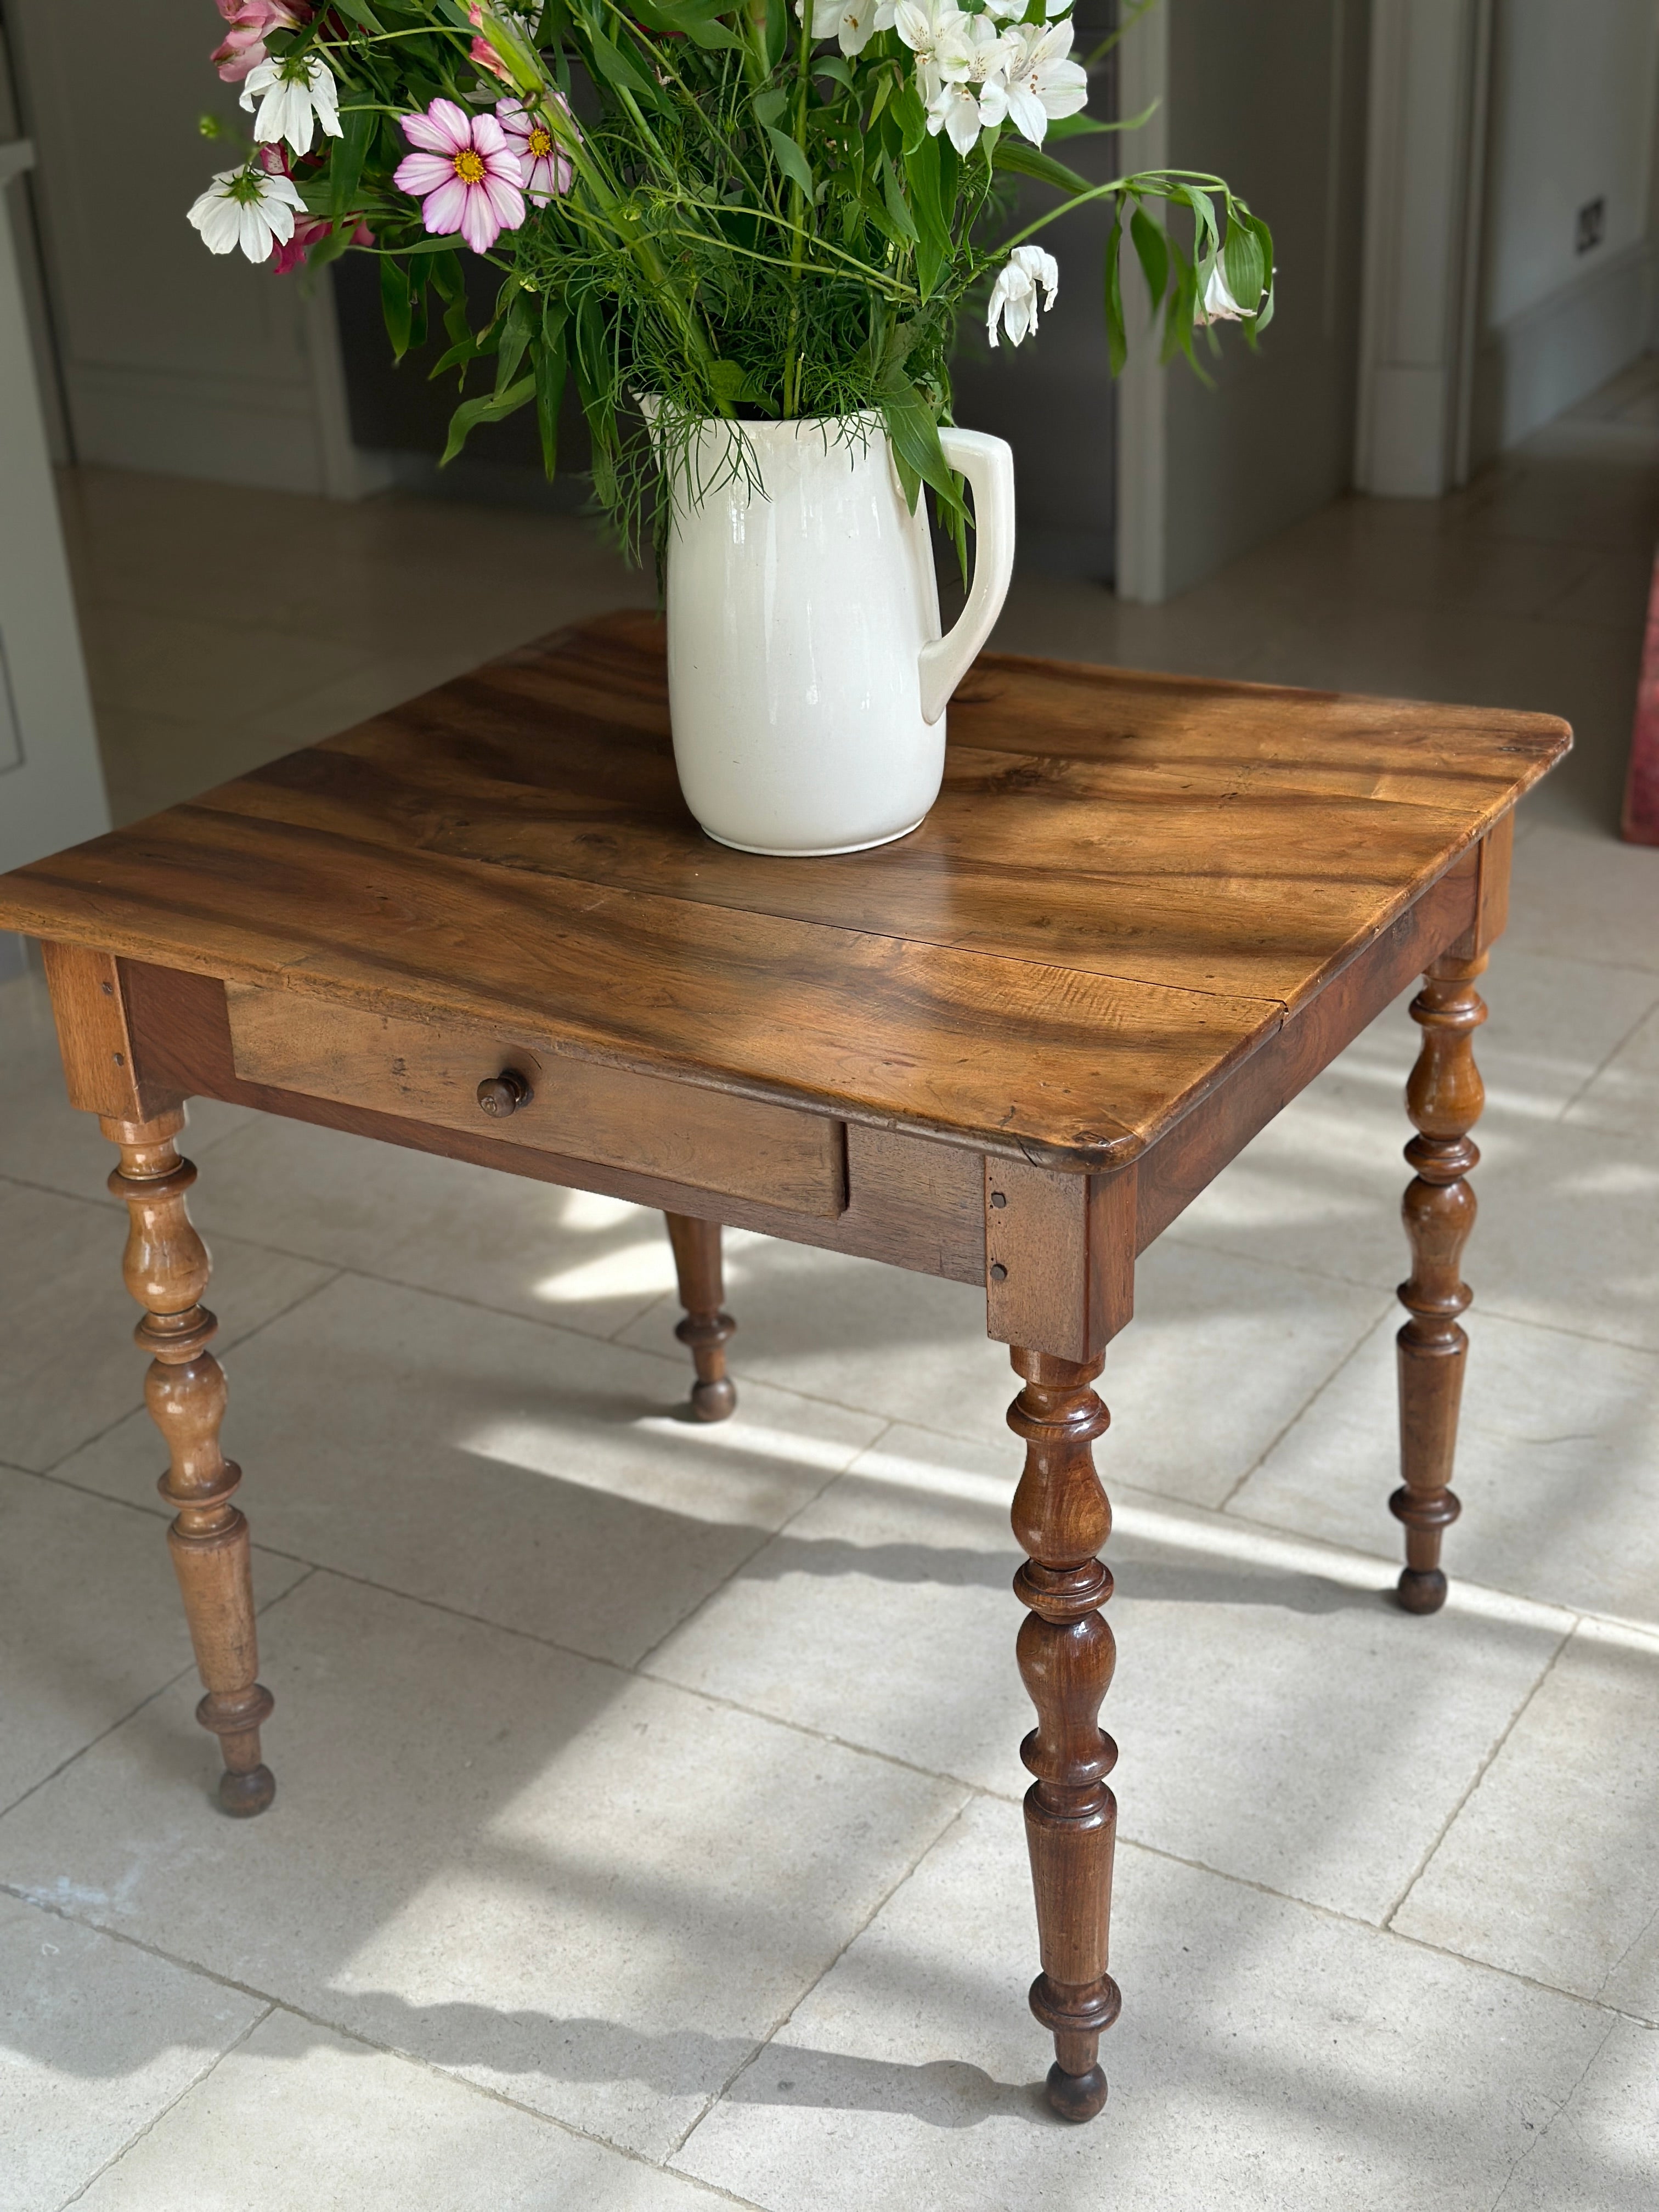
[{"x": 647, "y": 1833}]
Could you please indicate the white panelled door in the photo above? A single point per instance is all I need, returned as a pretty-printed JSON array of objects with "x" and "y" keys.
[{"x": 52, "y": 784}]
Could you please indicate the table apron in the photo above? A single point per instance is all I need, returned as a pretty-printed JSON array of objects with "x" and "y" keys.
[
  {"x": 911, "y": 1202},
  {"x": 1451, "y": 915}
]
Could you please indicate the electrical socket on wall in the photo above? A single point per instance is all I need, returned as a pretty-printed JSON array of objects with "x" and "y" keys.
[{"x": 1592, "y": 220}]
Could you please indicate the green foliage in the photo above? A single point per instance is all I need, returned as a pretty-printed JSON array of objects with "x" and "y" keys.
[{"x": 758, "y": 228}]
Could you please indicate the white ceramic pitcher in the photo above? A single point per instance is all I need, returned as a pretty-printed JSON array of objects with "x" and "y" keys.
[{"x": 807, "y": 679}]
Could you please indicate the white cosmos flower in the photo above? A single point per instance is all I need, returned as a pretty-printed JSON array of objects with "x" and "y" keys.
[
  {"x": 853, "y": 23},
  {"x": 1218, "y": 305},
  {"x": 972, "y": 57},
  {"x": 1042, "y": 85},
  {"x": 247, "y": 207},
  {"x": 921, "y": 24},
  {"x": 292, "y": 93},
  {"x": 1014, "y": 294}
]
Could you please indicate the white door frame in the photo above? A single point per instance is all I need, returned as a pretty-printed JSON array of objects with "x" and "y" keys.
[
  {"x": 1430, "y": 74},
  {"x": 1143, "y": 78}
]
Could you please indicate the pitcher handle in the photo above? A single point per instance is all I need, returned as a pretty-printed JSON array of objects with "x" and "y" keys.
[{"x": 988, "y": 465}]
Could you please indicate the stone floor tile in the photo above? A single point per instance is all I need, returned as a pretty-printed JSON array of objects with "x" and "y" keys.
[
  {"x": 300, "y": 2120},
  {"x": 1585, "y": 897},
  {"x": 1564, "y": 1234},
  {"x": 1550, "y": 1023},
  {"x": 67, "y": 1365},
  {"x": 378, "y": 573},
  {"x": 90, "y": 1621},
  {"x": 97, "y": 2038},
  {"x": 1267, "y": 2056},
  {"x": 1330, "y": 556},
  {"x": 1565, "y": 1237},
  {"x": 42, "y": 1138},
  {"x": 1268, "y": 1703},
  {"x": 152, "y": 761},
  {"x": 380, "y": 682},
  {"x": 1558, "y": 1465},
  {"x": 1624, "y": 1094},
  {"x": 593, "y": 1894},
  {"x": 911, "y": 1348},
  {"x": 569, "y": 1256},
  {"x": 1320, "y": 1188},
  {"x": 1549, "y": 1870},
  {"x": 1569, "y": 500},
  {"x": 856, "y": 1334},
  {"x": 187, "y": 664},
  {"x": 1597, "y": 2153},
  {"x": 505, "y": 1469}
]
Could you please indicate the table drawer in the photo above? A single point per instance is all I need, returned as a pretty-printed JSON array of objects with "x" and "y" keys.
[{"x": 429, "y": 1072}]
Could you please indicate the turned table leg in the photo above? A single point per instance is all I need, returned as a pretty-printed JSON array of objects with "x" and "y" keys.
[
  {"x": 705, "y": 1330},
  {"x": 1061, "y": 1518},
  {"x": 1444, "y": 1099},
  {"x": 166, "y": 1271}
]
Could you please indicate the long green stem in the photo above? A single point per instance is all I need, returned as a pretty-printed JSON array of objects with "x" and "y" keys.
[
  {"x": 662, "y": 62},
  {"x": 892, "y": 286},
  {"x": 798, "y": 212},
  {"x": 1152, "y": 182}
]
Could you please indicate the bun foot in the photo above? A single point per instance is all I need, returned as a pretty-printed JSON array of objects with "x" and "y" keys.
[
  {"x": 714, "y": 1402},
  {"x": 1077, "y": 2097},
  {"x": 242, "y": 1795},
  {"x": 705, "y": 1331},
  {"x": 1421, "y": 1589}
]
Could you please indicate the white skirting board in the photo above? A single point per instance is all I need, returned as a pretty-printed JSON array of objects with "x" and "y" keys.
[{"x": 1531, "y": 368}]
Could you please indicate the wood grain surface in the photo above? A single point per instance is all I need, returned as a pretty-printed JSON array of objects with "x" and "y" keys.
[
  {"x": 910, "y": 1203},
  {"x": 430, "y": 1073},
  {"x": 1129, "y": 883}
]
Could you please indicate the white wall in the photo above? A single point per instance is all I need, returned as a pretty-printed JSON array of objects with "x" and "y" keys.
[
  {"x": 1272, "y": 99},
  {"x": 1574, "y": 94},
  {"x": 1429, "y": 67},
  {"x": 52, "y": 789},
  {"x": 172, "y": 358},
  {"x": 1572, "y": 119}
]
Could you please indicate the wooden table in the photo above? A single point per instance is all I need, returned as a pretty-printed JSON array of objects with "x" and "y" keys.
[{"x": 1008, "y": 1050}]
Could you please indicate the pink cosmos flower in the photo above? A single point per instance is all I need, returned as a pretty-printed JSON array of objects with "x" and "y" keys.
[
  {"x": 251, "y": 23},
  {"x": 464, "y": 170},
  {"x": 545, "y": 170}
]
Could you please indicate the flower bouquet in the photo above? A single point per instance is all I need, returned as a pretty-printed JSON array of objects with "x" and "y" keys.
[
  {"x": 744, "y": 210},
  {"x": 747, "y": 229}
]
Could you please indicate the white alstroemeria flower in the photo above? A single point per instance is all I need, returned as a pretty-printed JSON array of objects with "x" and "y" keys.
[
  {"x": 973, "y": 57},
  {"x": 1042, "y": 85},
  {"x": 248, "y": 207},
  {"x": 293, "y": 94},
  {"x": 1014, "y": 294},
  {"x": 854, "y": 23},
  {"x": 921, "y": 24},
  {"x": 1218, "y": 305}
]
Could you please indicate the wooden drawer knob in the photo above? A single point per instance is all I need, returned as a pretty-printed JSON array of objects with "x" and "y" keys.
[{"x": 503, "y": 1094}]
